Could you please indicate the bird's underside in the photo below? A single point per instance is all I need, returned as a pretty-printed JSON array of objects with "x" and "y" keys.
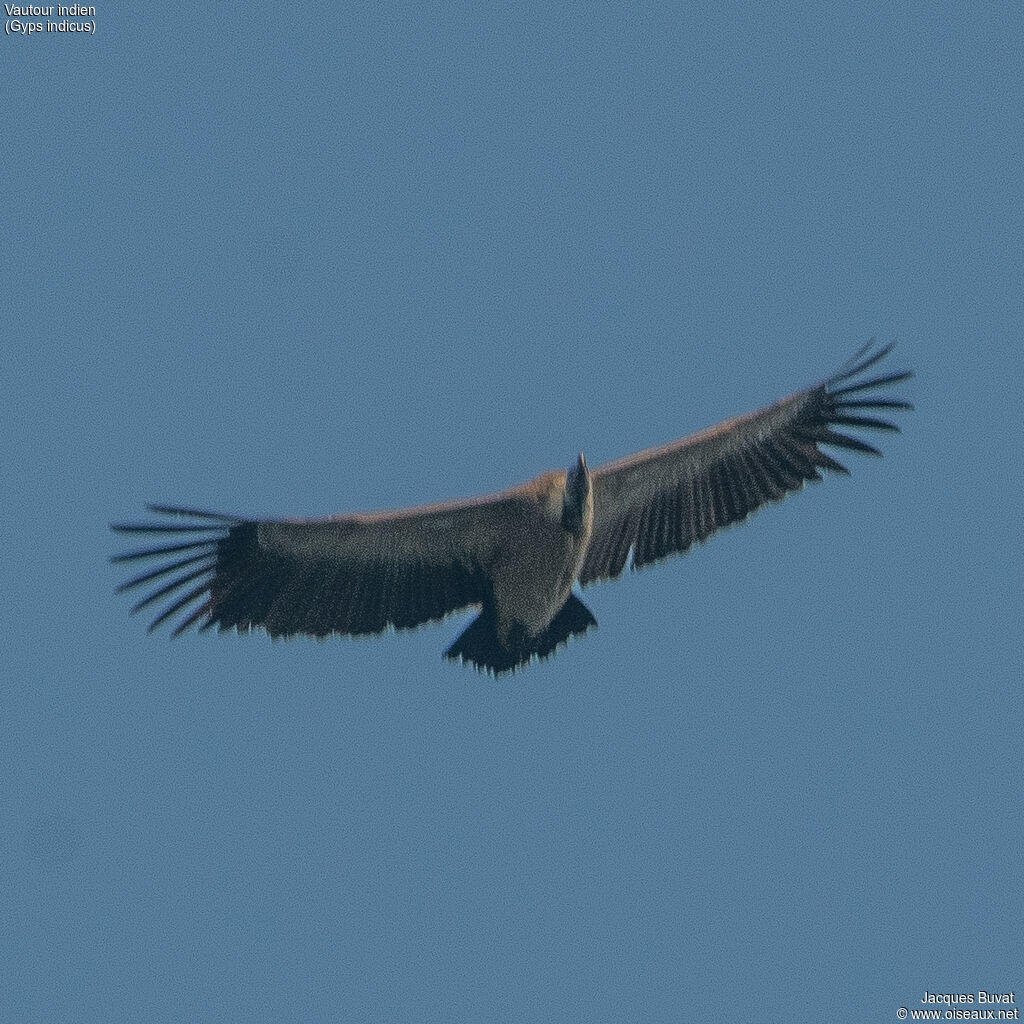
[{"x": 517, "y": 554}]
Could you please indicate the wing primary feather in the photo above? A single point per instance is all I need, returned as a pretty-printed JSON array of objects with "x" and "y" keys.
[
  {"x": 192, "y": 513},
  {"x": 166, "y": 528},
  {"x": 170, "y": 588},
  {"x": 875, "y": 382},
  {"x": 864, "y": 421},
  {"x": 163, "y": 570},
  {"x": 844, "y": 441},
  {"x": 177, "y": 606},
  {"x": 874, "y": 403},
  {"x": 846, "y": 371},
  {"x": 193, "y": 617},
  {"x": 825, "y": 461},
  {"x": 167, "y": 549}
]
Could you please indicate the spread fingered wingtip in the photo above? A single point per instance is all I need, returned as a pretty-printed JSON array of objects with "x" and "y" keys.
[
  {"x": 846, "y": 405},
  {"x": 199, "y": 551}
]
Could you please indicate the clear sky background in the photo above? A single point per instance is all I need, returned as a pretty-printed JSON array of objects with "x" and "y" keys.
[{"x": 299, "y": 259}]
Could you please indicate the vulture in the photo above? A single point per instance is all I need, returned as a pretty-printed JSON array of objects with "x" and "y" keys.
[{"x": 517, "y": 554}]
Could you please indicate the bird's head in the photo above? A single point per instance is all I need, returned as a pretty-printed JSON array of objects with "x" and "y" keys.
[{"x": 577, "y": 496}]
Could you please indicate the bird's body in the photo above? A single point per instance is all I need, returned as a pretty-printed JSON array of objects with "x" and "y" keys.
[
  {"x": 534, "y": 571},
  {"x": 517, "y": 553}
]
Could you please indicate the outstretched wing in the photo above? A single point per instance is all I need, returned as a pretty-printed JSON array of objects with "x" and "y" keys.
[
  {"x": 349, "y": 574},
  {"x": 658, "y": 502}
]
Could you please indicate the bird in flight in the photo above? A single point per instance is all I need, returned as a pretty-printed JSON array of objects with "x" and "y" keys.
[{"x": 516, "y": 554}]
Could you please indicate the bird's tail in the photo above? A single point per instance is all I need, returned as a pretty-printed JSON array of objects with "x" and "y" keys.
[{"x": 480, "y": 645}]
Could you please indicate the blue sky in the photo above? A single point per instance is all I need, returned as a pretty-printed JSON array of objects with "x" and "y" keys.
[{"x": 287, "y": 259}]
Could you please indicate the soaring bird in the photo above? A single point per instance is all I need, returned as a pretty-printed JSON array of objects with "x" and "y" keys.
[{"x": 516, "y": 554}]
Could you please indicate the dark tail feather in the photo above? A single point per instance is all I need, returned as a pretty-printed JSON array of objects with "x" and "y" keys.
[{"x": 480, "y": 645}]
